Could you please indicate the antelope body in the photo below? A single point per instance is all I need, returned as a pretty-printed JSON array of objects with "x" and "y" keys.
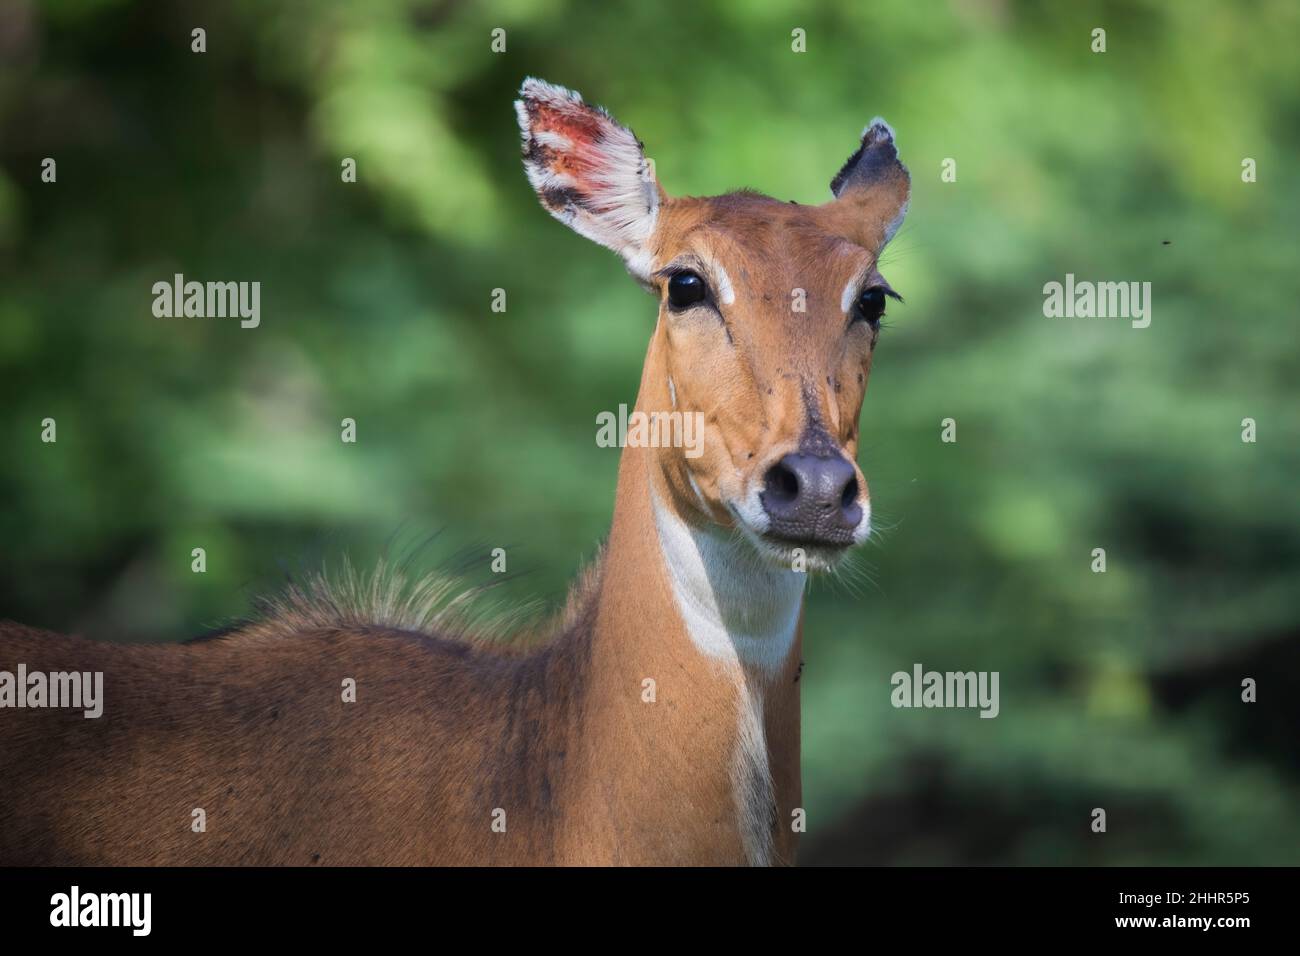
[{"x": 659, "y": 724}]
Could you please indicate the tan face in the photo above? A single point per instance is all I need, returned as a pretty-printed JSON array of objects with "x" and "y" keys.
[{"x": 768, "y": 316}]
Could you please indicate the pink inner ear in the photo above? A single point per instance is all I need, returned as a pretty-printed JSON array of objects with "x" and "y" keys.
[
  {"x": 582, "y": 161},
  {"x": 580, "y": 125}
]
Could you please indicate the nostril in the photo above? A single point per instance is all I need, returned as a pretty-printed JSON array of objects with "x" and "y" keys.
[
  {"x": 781, "y": 483},
  {"x": 850, "y": 495}
]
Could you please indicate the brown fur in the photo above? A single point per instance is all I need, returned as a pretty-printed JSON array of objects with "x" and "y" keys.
[{"x": 251, "y": 726}]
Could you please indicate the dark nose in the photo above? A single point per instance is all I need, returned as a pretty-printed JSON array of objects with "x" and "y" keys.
[{"x": 811, "y": 498}]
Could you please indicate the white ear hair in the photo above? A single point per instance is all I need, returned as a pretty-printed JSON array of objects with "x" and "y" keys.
[{"x": 589, "y": 172}]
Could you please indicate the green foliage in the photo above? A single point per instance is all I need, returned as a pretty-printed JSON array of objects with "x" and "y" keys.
[{"x": 1120, "y": 690}]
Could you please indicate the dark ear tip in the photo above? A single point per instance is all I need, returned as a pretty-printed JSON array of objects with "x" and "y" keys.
[
  {"x": 875, "y": 159},
  {"x": 877, "y": 131}
]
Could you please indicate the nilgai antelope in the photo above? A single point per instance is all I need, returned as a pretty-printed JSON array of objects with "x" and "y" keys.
[{"x": 658, "y": 724}]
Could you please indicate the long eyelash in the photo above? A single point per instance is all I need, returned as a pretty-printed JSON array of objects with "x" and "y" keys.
[
  {"x": 667, "y": 272},
  {"x": 889, "y": 293}
]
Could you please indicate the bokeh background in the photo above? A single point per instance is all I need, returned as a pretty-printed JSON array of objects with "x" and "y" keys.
[{"x": 1118, "y": 690}]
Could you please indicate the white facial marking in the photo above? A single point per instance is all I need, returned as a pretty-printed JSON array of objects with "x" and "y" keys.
[
  {"x": 863, "y": 530},
  {"x": 726, "y": 294},
  {"x": 750, "y": 510},
  {"x": 849, "y": 294}
]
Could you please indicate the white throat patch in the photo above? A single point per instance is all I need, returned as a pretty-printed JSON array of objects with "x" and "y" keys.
[{"x": 736, "y": 606}]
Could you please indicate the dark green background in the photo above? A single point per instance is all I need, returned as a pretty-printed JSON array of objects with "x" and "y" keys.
[{"x": 1119, "y": 690}]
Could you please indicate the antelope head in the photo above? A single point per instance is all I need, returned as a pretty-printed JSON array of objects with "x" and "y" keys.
[{"x": 768, "y": 316}]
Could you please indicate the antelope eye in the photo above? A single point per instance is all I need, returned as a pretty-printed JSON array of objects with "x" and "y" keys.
[
  {"x": 685, "y": 289},
  {"x": 870, "y": 305}
]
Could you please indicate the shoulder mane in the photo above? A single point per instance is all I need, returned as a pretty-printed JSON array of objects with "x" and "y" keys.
[{"x": 438, "y": 604}]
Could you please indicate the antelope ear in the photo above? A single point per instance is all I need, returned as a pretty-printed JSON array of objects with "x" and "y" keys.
[
  {"x": 589, "y": 171},
  {"x": 876, "y": 184}
]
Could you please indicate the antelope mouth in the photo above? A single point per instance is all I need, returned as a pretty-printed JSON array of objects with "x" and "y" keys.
[
  {"x": 797, "y": 554},
  {"x": 793, "y": 551},
  {"x": 837, "y": 544}
]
